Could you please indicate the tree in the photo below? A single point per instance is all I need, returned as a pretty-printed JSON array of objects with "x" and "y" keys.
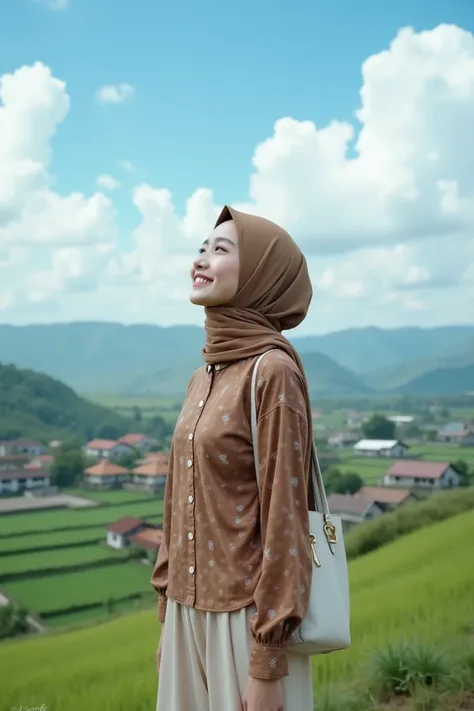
[
  {"x": 337, "y": 483},
  {"x": 463, "y": 471},
  {"x": 68, "y": 465},
  {"x": 378, "y": 427},
  {"x": 108, "y": 430}
]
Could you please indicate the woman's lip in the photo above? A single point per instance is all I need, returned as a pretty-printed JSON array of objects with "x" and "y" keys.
[{"x": 199, "y": 284}]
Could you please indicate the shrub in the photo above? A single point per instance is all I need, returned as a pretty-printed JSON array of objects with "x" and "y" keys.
[
  {"x": 372, "y": 535},
  {"x": 403, "y": 667}
]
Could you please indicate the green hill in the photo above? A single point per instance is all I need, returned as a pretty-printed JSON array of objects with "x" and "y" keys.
[
  {"x": 419, "y": 588},
  {"x": 36, "y": 405},
  {"x": 114, "y": 358},
  {"x": 441, "y": 381}
]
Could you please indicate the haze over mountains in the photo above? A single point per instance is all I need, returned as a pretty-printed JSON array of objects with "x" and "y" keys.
[{"x": 146, "y": 359}]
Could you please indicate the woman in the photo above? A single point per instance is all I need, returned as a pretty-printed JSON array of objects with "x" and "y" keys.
[{"x": 234, "y": 570}]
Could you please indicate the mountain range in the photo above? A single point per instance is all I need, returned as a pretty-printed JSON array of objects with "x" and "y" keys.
[{"x": 114, "y": 358}]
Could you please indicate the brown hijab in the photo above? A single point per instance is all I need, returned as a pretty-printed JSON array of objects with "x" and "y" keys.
[{"x": 274, "y": 294}]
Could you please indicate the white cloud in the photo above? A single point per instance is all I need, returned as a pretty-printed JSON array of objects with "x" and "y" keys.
[
  {"x": 107, "y": 182},
  {"x": 384, "y": 209},
  {"x": 110, "y": 94}
]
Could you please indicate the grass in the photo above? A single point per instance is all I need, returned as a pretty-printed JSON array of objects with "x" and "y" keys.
[
  {"x": 50, "y": 540},
  {"x": 56, "y": 559},
  {"x": 42, "y": 521},
  {"x": 113, "y": 496},
  {"x": 56, "y": 592},
  {"x": 420, "y": 587}
]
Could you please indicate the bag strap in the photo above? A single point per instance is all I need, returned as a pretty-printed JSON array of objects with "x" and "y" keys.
[{"x": 320, "y": 498}]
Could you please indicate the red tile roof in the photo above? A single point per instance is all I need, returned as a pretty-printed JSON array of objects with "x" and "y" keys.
[
  {"x": 105, "y": 468},
  {"x": 421, "y": 470},
  {"x": 102, "y": 444},
  {"x": 383, "y": 494},
  {"x": 125, "y": 524},
  {"x": 133, "y": 439},
  {"x": 154, "y": 467},
  {"x": 149, "y": 538}
]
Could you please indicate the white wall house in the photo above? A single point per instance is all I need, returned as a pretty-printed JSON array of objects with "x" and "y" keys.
[
  {"x": 105, "y": 474},
  {"x": 380, "y": 448},
  {"x": 428, "y": 475},
  {"x": 120, "y": 532},
  {"x": 21, "y": 446},
  {"x": 16, "y": 482},
  {"x": 106, "y": 449}
]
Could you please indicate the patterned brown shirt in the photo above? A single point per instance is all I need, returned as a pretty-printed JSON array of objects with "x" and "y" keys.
[{"x": 224, "y": 549}]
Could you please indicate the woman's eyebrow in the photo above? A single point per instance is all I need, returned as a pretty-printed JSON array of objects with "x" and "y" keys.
[{"x": 219, "y": 239}]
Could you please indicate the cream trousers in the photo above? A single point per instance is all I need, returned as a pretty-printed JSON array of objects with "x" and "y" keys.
[{"x": 204, "y": 663}]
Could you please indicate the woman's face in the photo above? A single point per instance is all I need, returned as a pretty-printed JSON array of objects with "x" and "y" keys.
[{"x": 215, "y": 272}]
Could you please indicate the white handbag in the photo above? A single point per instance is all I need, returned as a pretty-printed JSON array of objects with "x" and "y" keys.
[{"x": 326, "y": 625}]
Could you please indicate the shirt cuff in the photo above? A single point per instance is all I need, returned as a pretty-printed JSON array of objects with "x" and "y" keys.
[
  {"x": 268, "y": 661},
  {"x": 162, "y": 602}
]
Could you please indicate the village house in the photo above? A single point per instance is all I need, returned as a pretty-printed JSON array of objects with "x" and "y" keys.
[
  {"x": 43, "y": 461},
  {"x": 392, "y": 448},
  {"x": 428, "y": 475},
  {"x": 152, "y": 473},
  {"x": 401, "y": 419},
  {"x": 353, "y": 510},
  {"x": 467, "y": 440},
  {"x": 342, "y": 439},
  {"x": 106, "y": 449},
  {"x": 141, "y": 442},
  {"x": 21, "y": 446},
  {"x": 454, "y": 432},
  {"x": 19, "y": 481},
  {"x": 126, "y": 530},
  {"x": 13, "y": 461},
  {"x": 105, "y": 474},
  {"x": 385, "y": 497}
]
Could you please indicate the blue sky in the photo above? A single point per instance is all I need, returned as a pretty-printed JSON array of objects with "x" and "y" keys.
[{"x": 209, "y": 81}]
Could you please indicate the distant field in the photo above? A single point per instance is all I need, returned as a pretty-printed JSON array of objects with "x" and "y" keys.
[
  {"x": 49, "y": 540},
  {"x": 372, "y": 469},
  {"x": 54, "y": 592},
  {"x": 50, "y": 520},
  {"x": 114, "y": 496},
  {"x": 418, "y": 588},
  {"x": 97, "y": 614},
  {"x": 56, "y": 559}
]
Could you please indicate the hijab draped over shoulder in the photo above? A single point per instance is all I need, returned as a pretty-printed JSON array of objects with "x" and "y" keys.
[{"x": 273, "y": 295}]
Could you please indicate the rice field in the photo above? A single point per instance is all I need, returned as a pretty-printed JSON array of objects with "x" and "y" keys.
[
  {"x": 420, "y": 587},
  {"x": 49, "y": 540},
  {"x": 112, "y": 496},
  {"x": 42, "y": 521},
  {"x": 62, "y": 590},
  {"x": 34, "y": 562}
]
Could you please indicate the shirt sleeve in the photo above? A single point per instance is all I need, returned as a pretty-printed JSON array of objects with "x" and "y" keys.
[
  {"x": 159, "y": 578},
  {"x": 282, "y": 593}
]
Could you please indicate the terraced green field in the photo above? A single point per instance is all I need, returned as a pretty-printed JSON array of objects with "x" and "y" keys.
[
  {"x": 420, "y": 588},
  {"x": 56, "y": 592},
  {"x": 32, "y": 562},
  {"x": 42, "y": 521}
]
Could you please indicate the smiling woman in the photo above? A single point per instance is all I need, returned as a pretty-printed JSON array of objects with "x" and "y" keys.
[{"x": 215, "y": 272}]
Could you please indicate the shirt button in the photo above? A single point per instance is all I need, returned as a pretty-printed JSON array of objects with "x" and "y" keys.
[
  {"x": 201, "y": 403},
  {"x": 190, "y": 435},
  {"x": 190, "y": 499},
  {"x": 218, "y": 367},
  {"x": 209, "y": 368},
  {"x": 190, "y": 536},
  {"x": 190, "y": 462},
  {"x": 191, "y": 570}
]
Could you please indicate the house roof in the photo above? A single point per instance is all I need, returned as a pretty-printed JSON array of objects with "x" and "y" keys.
[
  {"x": 383, "y": 494},
  {"x": 421, "y": 470},
  {"x": 345, "y": 503},
  {"x": 125, "y": 524},
  {"x": 105, "y": 468},
  {"x": 133, "y": 439},
  {"x": 7, "y": 474},
  {"x": 38, "y": 461},
  {"x": 154, "y": 467},
  {"x": 149, "y": 538},
  {"x": 376, "y": 444},
  {"x": 102, "y": 444},
  {"x": 454, "y": 428}
]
